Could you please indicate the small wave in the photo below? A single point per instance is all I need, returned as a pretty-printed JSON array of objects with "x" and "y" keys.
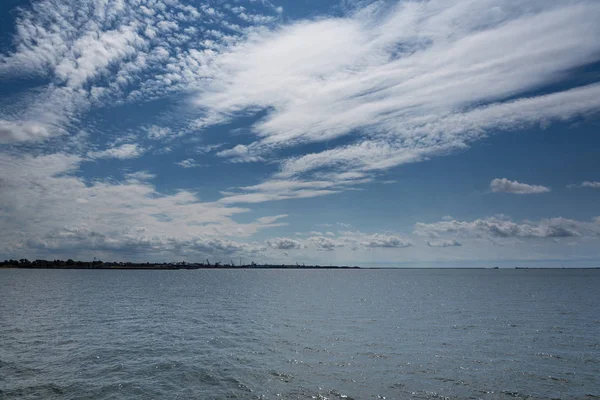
[
  {"x": 562, "y": 380},
  {"x": 241, "y": 386},
  {"x": 548, "y": 355},
  {"x": 282, "y": 376},
  {"x": 517, "y": 395},
  {"x": 332, "y": 394},
  {"x": 40, "y": 391},
  {"x": 591, "y": 360},
  {"x": 300, "y": 362},
  {"x": 511, "y": 393},
  {"x": 428, "y": 395},
  {"x": 9, "y": 368},
  {"x": 375, "y": 355}
]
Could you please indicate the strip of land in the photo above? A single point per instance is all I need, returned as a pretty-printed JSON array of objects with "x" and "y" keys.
[{"x": 71, "y": 264}]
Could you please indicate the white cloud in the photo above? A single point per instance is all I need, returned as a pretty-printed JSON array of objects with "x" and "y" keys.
[
  {"x": 385, "y": 241},
  {"x": 285, "y": 189},
  {"x": 505, "y": 186},
  {"x": 278, "y": 190},
  {"x": 271, "y": 218},
  {"x": 587, "y": 184},
  {"x": 258, "y": 197},
  {"x": 239, "y": 153},
  {"x": 93, "y": 52},
  {"x": 20, "y": 131},
  {"x": 47, "y": 209},
  {"x": 125, "y": 151},
  {"x": 140, "y": 176},
  {"x": 408, "y": 80},
  {"x": 158, "y": 132},
  {"x": 78, "y": 238},
  {"x": 498, "y": 227},
  {"x": 322, "y": 243},
  {"x": 444, "y": 243},
  {"x": 118, "y": 51},
  {"x": 188, "y": 163},
  {"x": 208, "y": 148},
  {"x": 446, "y": 134},
  {"x": 399, "y": 82},
  {"x": 224, "y": 247},
  {"x": 595, "y": 185},
  {"x": 284, "y": 244},
  {"x": 355, "y": 240}
]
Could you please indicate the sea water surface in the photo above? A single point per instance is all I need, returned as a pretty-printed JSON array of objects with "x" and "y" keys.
[{"x": 300, "y": 334}]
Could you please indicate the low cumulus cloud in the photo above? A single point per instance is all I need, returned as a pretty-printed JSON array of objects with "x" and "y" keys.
[
  {"x": 48, "y": 209},
  {"x": 443, "y": 243},
  {"x": 385, "y": 241},
  {"x": 503, "y": 185},
  {"x": 279, "y": 243},
  {"x": 586, "y": 184},
  {"x": 496, "y": 227},
  {"x": 594, "y": 185},
  {"x": 356, "y": 240},
  {"x": 138, "y": 241},
  {"x": 322, "y": 243}
]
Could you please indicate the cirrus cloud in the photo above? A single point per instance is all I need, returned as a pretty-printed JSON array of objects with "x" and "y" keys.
[
  {"x": 121, "y": 152},
  {"x": 404, "y": 82},
  {"x": 188, "y": 163}
]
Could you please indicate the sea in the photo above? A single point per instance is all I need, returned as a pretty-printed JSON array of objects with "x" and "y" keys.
[{"x": 300, "y": 334}]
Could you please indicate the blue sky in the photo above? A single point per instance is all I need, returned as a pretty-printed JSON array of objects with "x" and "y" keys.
[{"x": 425, "y": 133}]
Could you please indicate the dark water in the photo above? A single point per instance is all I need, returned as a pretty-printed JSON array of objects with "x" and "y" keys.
[{"x": 268, "y": 334}]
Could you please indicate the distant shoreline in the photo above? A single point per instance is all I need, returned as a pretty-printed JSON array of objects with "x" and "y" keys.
[
  {"x": 119, "y": 265},
  {"x": 70, "y": 264},
  {"x": 173, "y": 267},
  {"x": 191, "y": 268}
]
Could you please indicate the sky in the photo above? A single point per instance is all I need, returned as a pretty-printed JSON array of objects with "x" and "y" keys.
[{"x": 372, "y": 133}]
